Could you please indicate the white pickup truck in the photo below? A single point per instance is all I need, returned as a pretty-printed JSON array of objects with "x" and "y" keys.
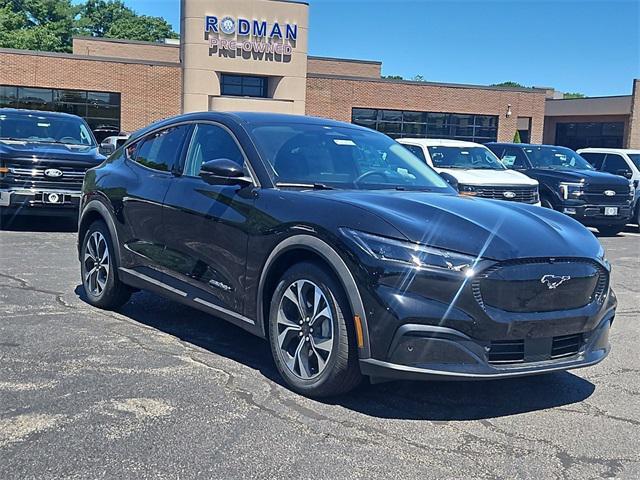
[{"x": 474, "y": 170}]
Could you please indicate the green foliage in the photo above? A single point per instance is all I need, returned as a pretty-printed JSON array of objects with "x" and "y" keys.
[
  {"x": 393, "y": 77},
  {"x": 574, "y": 95},
  {"x": 509, "y": 84},
  {"x": 419, "y": 78},
  {"x": 49, "y": 25},
  {"x": 516, "y": 137}
]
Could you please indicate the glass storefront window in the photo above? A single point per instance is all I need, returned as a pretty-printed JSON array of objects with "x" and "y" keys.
[
  {"x": 576, "y": 135},
  {"x": 396, "y": 123},
  {"x": 101, "y": 110}
]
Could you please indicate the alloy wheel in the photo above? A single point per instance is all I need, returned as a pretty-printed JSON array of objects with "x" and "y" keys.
[
  {"x": 96, "y": 264},
  {"x": 305, "y": 329}
]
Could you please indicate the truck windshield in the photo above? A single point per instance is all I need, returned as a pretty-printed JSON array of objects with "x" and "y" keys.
[
  {"x": 33, "y": 127},
  {"x": 467, "y": 158},
  {"x": 556, "y": 158},
  {"x": 635, "y": 158},
  {"x": 303, "y": 154}
]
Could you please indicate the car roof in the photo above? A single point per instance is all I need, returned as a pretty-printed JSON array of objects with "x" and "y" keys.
[
  {"x": 526, "y": 145},
  {"x": 438, "y": 142},
  {"x": 39, "y": 113},
  {"x": 247, "y": 118},
  {"x": 609, "y": 150}
]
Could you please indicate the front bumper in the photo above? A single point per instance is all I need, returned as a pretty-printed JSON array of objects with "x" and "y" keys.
[
  {"x": 594, "y": 215},
  {"x": 422, "y": 352},
  {"x": 31, "y": 201}
]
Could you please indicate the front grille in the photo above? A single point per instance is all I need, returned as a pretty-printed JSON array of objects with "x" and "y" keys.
[
  {"x": 506, "y": 351},
  {"x": 534, "y": 349},
  {"x": 520, "y": 194},
  {"x": 594, "y": 195},
  {"x": 541, "y": 285},
  {"x": 69, "y": 174},
  {"x": 566, "y": 345}
]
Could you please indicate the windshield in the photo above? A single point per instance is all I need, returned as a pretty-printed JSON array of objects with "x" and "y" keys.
[
  {"x": 44, "y": 129},
  {"x": 341, "y": 157},
  {"x": 556, "y": 158},
  {"x": 468, "y": 158},
  {"x": 635, "y": 158}
]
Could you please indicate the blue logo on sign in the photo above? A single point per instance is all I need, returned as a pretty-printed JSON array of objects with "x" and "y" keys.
[{"x": 228, "y": 25}]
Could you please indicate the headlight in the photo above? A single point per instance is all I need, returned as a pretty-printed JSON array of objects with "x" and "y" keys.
[
  {"x": 411, "y": 254},
  {"x": 467, "y": 190},
  {"x": 571, "y": 190}
]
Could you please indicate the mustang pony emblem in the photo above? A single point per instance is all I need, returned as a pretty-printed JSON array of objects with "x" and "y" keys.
[{"x": 554, "y": 281}]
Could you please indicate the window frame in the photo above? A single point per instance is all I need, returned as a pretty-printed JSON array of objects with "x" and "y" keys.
[
  {"x": 264, "y": 85},
  {"x": 189, "y": 144},
  {"x": 177, "y": 167}
]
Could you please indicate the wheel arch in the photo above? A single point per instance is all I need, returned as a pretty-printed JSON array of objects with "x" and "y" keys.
[
  {"x": 306, "y": 247},
  {"x": 96, "y": 210}
]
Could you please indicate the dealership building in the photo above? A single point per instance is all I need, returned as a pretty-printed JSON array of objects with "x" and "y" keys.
[{"x": 252, "y": 55}]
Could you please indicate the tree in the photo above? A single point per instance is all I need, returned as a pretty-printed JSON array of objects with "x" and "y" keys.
[
  {"x": 516, "y": 137},
  {"x": 50, "y": 25},
  {"x": 419, "y": 78},
  {"x": 113, "y": 19},
  {"x": 573, "y": 95},
  {"x": 37, "y": 24},
  {"x": 509, "y": 84},
  {"x": 393, "y": 77}
]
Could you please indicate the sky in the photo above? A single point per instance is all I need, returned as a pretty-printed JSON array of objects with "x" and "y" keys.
[{"x": 586, "y": 46}]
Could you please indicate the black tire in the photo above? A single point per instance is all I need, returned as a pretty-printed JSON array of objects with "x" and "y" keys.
[
  {"x": 611, "y": 230},
  {"x": 341, "y": 372},
  {"x": 114, "y": 293}
]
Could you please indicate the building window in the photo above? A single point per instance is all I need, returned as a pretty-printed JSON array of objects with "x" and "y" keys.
[
  {"x": 244, "y": 86},
  {"x": 458, "y": 126},
  {"x": 590, "y": 134},
  {"x": 101, "y": 110}
]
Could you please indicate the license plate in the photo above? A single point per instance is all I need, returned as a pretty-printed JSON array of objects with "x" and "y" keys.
[
  {"x": 610, "y": 211},
  {"x": 53, "y": 198},
  {"x": 5, "y": 199}
]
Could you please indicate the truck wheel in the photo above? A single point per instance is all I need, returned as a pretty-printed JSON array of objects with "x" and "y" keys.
[
  {"x": 311, "y": 334},
  {"x": 98, "y": 269}
]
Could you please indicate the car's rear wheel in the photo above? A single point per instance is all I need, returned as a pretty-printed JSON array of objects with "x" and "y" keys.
[
  {"x": 611, "y": 230},
  {"x": 98, "y": 269},
  {"x": 311, "y": 335}
]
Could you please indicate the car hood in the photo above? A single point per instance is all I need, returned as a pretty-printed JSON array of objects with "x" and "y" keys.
[
  {"x": 487, "y": 228},
  {"x": 580, "y": 176},
  {"x": 10, "y": 150},
  {"x": 489, "y": 177}
]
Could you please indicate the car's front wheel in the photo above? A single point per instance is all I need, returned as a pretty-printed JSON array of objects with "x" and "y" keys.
[
  {"x": 311, "y": 334},
  {"x": 100, "y": 280}
]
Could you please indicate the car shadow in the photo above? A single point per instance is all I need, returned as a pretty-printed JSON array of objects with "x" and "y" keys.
[
  {"x": 432, "y": 401},
  {"x": 38, "y": 224}
]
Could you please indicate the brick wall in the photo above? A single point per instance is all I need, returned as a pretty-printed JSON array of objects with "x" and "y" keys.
[
  {"x": 338, "y": 66},
  {"x": 149, "y": 91},
  {"x": 101, "y": 47},
  {"x": 334, "y": 97},
  {"x": 633, "y": 130}
]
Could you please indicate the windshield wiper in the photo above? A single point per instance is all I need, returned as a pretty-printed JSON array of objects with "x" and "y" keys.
[{"x": 315, "y": 186}]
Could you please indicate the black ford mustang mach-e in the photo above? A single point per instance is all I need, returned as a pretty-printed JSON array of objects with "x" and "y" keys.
[{"x": 350, "y": 255}]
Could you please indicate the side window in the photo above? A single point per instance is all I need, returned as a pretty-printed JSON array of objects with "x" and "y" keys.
[
  {"x": 595, "y": 159},
  {"x": 211, "y": 142},
  {"x": 616, "y": 164},
  {"x": 514, "y": 158},
  {"x": 161, "y": 150},
  {"x": 417, "y": 151}
]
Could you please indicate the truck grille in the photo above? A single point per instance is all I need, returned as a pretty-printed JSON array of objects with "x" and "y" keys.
[
  {"x": 594, "y": 195},
  {"x": 520, "y": 194},
  {"x": 22, "y": 175},
  {"x": 541, "y": 285}
]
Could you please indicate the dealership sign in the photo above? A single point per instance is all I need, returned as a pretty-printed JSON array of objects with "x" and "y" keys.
[{"x": 250, "y": 36}]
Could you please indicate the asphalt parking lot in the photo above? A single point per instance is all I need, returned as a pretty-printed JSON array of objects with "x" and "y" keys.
[{"x": 159, "y": 390}]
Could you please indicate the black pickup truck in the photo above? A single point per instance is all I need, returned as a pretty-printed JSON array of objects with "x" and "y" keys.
[
  {"x": 43, "y": 159},
  {"x": 569, "y": 184}
]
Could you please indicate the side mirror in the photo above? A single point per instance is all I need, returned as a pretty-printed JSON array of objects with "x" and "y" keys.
[
  {"x": 106, "y": 148},
  {"x": 223, "y": 171},
  {"x": 625, "y": 173}
]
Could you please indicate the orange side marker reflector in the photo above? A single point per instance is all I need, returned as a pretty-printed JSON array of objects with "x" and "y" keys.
[
  {"x": 359, "y": 336},
  {"x": 4, "y": 170}
]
